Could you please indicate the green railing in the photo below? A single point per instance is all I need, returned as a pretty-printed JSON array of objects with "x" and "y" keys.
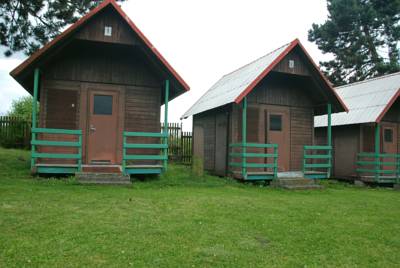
[
  {"x": 144, "y": 168},
  {"x": 58, "y": 168},
  {"x": 269, "y": 170},
  {"x": 317, "y": 161},
  {"x": 373, "y": 165}
]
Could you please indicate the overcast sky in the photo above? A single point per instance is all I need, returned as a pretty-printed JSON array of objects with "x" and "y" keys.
[{"x": 205, "y": 39}]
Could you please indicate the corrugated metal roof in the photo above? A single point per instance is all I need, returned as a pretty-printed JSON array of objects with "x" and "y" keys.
[
  {"x": 367, "y": 101},
  {"x": 230, "y": 86}
]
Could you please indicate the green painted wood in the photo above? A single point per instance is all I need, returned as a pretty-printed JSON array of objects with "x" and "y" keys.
[
  {"x": 319, "y": 165},
  {"x": 56, "y": 156},
  {"x": 377, "y": 148},
  {"x": 36, "y": 79},
  {"x": 80, "y": 153},
  {"x": 317, "y": 156},
  {"x": 379, "y": 155},
  {"x": 142, "y": 171},
  {"x": 251, "y": 155},
  {"x": 56, "y": 143},
  {"x": 329, "y": 137},
  {"x": 56, "y": 170},
  {"x": 145, "y": 134},
  {"x": 145, "y": 146},
  {"x": 316, "y": 176},
  {"x": 57, "y": 131},
  {"x": 166, "y": 123},
  {"x": 317, "y": 147},
  {"x": 145, "y": 157},
  {"x": 254, "y": 145},
  {"x": 259, "y": 177},
  {"x": 377, "y": 171},
  {"x": 244, "y": 135},
  {"x": 252, "y": 165},
  {"x": 124, "y": 154}
]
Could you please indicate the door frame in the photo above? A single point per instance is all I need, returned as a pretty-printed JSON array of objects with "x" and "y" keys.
[{"x": 86, "y": 114}]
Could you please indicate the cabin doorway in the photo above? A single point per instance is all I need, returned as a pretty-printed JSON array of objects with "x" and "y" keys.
[
  {"x": 102, "y": 135},
  {"x": 277, "y": 130},
  {"x": 389, "y": 142}
]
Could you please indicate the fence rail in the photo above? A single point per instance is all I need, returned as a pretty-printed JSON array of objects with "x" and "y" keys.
[
  {"x": 380, "y": 167},
  {"x": 317, "y": 161},
  {"x": 15, "y": 132}
]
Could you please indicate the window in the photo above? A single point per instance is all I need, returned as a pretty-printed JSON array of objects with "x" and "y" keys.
[
  {"x": 388, "y": 135},
  {"x": 275, "y": 122},
  {"x": 291, "y": 64},
  {"x": 102, "y": 105},
  {"x": 107, "y": 31}
]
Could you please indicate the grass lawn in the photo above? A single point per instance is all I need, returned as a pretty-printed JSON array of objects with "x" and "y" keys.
[{"x": 181, "y": 220}]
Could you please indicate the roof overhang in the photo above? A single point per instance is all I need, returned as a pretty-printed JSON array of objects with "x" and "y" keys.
[{"x": 26, "y": 67}]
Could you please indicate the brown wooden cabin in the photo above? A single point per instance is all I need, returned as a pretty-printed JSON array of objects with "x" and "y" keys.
[
  {"x": 273, "y": 101},
  {"x": 100, "y": 85},
  {"x": 366, "y": 140}
]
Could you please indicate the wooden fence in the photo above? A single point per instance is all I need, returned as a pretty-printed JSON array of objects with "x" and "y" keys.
[
  {"x": 15, "y": 132},
  {"x": 179, "y": 143}
]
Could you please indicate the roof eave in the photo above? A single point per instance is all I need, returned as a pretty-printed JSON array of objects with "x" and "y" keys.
[{"x": 388, "y": 106}]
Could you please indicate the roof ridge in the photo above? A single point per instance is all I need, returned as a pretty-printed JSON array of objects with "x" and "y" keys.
[
  {"x": 369, "y": 80},
  {"x": 259, "y": 58}
]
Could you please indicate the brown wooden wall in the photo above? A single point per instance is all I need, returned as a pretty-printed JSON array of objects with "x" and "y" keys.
[{"x": 92, "y": 61}]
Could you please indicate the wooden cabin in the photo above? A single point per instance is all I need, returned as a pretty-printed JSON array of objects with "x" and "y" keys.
[
  {"x": 256, "y": 122},
  {"x": 366, "y": 140},
  {"x": 100, "y": 85}
]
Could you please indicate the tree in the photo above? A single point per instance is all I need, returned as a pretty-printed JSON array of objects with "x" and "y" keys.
[
  {"x": 22, "y": 108},
  {"x": 26, "y": 25},
  {"x": 363, "y": 37}
]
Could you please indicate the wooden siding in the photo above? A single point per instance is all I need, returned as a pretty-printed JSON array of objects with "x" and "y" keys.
[
  {"x": 206, "y": 122},
  {"x": 102, "y": 63},
  {"x": 94, "y": 29},
  {"x": 299, "y": 67}
]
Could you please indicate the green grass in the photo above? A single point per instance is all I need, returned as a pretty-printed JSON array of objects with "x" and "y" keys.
[{"x": 181, "y": 220}]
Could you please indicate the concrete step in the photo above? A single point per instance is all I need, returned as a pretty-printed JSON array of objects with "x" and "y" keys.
[
  {"x": 296, "y": 183},
  {"x": 303, "y": 187},
  {"x": 103, "y": 178}
]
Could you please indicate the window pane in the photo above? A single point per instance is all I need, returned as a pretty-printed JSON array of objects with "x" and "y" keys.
[
  {"x": 388, "y": 135},
  {"x": 275, "y": 122},
  {"x": 102, "y": 105}
]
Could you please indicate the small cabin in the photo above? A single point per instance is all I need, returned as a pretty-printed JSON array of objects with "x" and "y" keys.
[
  {"x": 366, "y": 139},
  {"x": 256, "y": 123},
  {"x": 100, "y": 85}
]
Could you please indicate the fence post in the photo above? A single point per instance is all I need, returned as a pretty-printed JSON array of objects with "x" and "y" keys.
[{"x": 330, "y": 139}]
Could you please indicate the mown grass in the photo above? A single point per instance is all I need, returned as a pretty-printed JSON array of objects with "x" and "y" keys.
[{"x": 181, "y": 220}]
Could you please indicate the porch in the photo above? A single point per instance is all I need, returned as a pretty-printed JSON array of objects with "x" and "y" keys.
[
  {"x": 378, "y": 166},
  {"x": 60, "y": 151},
  {"x": 259, "y": 161}
]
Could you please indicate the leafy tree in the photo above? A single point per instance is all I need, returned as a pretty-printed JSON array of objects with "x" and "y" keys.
[
  {"x": 22, "y": 107},
  {"x": 362, "y": 35},
  {"x": 26, "y": 25}
]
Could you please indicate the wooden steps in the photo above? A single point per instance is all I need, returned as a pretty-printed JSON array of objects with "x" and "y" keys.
[
  {"x": 296, "y": 183},
  {"x": 103, "y": 178}
]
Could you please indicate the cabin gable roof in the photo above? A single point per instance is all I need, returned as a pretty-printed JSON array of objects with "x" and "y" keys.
[
  {"x": 25, "y": 69},
  {"x": 233, "y": 87},
  {"x": 368, "y": 101}
]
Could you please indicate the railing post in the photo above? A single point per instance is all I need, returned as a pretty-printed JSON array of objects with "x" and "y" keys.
[
  {"x": 276, "y": 161},
  {"x": 124, "y": 154},
  {"x": 244, "y": 137},
  {"x": 329, "y": 139},
  {"x": 34, "y": 111},
  {"x": 166, "y": 95},
  {"x": 377, "y": 150},
  {"x": 80, "y": 153}
]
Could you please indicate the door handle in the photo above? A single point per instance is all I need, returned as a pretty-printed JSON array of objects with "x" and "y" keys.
[{"x": 92, "y": 128}]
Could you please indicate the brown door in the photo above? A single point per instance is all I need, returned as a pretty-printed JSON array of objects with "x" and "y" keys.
[
  {"x": 389, "y": 142},
  {"x": 102, "y": 127},
  {"x": 277, "y": 130},
  {"x": 221, "y": 140}
]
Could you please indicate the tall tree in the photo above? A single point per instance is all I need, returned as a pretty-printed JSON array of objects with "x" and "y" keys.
[
  {"x": 362, "y": 35},
  {"x": 26, "y": 25},
  {"x": 22, "y": 108}
]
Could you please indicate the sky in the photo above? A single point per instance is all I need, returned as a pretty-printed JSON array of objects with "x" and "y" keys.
[{"x": 203, "y": 40}]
